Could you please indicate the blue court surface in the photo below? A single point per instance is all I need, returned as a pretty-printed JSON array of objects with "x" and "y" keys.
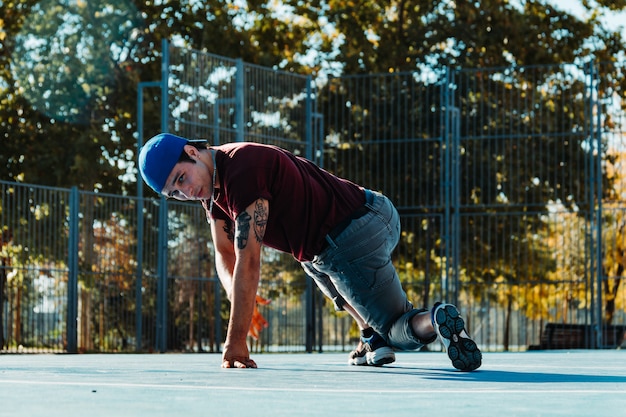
[{"x": 538, "y": 383}]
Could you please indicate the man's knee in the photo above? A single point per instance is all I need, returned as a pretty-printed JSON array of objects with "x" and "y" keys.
[{"x": 401, "y": 334}]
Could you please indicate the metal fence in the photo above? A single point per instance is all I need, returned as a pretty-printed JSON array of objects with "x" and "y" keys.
[{"x": 509, "y": 181}]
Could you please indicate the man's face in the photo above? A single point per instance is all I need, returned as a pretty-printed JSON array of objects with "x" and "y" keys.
[{"x": 189, "y": 181}]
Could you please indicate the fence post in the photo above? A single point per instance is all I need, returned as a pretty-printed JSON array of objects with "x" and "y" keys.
[
  {"x": 309, "y": 297},
  {"x": 450, "y": 141},
  {"x": 217, "y": 313},
  {"x": 72, "y": 281},
  {"x": 240, "y": 100},
  {"x": 165, "y": 76},
  {"x": 161, "y": 310},
  {"x": 140, "y": 223},
  {"x": 161, "y": 313},
  {"x": 454, "y": 142},
  {"x": 308, "y": 121},
  {"x": 309, "y": 315},
  {"x": 596, "y": 202},
  {"x": 594, "y": 336}
]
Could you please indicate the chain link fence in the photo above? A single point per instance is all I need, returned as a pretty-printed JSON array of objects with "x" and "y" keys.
[{"x": 509, "y": 181}]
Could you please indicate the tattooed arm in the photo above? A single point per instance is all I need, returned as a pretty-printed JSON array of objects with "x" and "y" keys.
[
  {"x": 242, "y": 264},
  {"x": 224, "y": 236}
]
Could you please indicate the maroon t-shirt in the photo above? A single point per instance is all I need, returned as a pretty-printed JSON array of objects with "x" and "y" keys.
[{"x": 305, "y": 202}]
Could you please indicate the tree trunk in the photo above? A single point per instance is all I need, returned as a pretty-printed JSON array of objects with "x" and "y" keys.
[
  {"x": 611, "y": 294},
  {"x": 17, "y": 335},
  {"x": 507, "y": 322}
]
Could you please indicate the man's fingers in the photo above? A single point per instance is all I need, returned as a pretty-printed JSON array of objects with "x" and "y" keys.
[
  {"x": 250, "y": 364},
  {"x": 247, "y": 363}
]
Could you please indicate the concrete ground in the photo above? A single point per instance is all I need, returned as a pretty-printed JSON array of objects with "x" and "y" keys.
[{"x": 539, "y": 383}]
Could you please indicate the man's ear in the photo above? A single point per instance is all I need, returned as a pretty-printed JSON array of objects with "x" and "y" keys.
[{"x": 191, "y": 151}]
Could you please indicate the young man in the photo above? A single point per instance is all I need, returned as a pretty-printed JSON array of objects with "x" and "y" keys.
[{"x": 341, "y": 233}]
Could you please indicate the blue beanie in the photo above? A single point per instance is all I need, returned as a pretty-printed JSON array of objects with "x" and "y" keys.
[{"x": 158, "y": 157}]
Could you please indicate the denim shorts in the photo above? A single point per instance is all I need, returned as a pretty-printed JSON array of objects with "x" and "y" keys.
[{"x": 356, "y": 268}]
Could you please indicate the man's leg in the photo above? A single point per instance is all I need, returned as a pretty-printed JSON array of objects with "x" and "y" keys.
[
  {"x": 372, "y": 348},
  {"x": 358, "y": 262}
]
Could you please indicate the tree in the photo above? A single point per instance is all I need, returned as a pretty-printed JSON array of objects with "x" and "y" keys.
[
  {"x": 69, "y": 71},
  {"x": 66, "y": 121},
  {"x": 406, "y": 35},
  {"x": 318, "y": 37}
]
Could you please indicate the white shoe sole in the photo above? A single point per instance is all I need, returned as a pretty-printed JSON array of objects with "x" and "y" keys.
[{"x": 381, "y": 356}]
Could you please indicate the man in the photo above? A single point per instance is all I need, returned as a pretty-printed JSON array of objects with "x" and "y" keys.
[{"x": 342, "y": 234}]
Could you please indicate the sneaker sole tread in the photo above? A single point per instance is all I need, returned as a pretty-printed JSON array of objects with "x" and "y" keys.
[{"x": 462, "y": 351}]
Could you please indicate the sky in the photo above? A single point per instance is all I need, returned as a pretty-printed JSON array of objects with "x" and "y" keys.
[{"x": 613, "y": 20}]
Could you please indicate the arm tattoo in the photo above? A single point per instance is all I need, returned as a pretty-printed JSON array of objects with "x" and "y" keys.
[
  {"x": 260, "y": 220},
  {"x": 243, "y": 229},
  {"x": 229, "y": 228}
]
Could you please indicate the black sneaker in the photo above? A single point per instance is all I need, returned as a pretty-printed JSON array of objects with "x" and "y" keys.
[
  {"x": 373, "y": 351},
  {"x": 450, "y": 328}
]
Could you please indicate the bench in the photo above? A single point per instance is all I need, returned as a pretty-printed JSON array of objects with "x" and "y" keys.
[{"x": 578, "y": 336}]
